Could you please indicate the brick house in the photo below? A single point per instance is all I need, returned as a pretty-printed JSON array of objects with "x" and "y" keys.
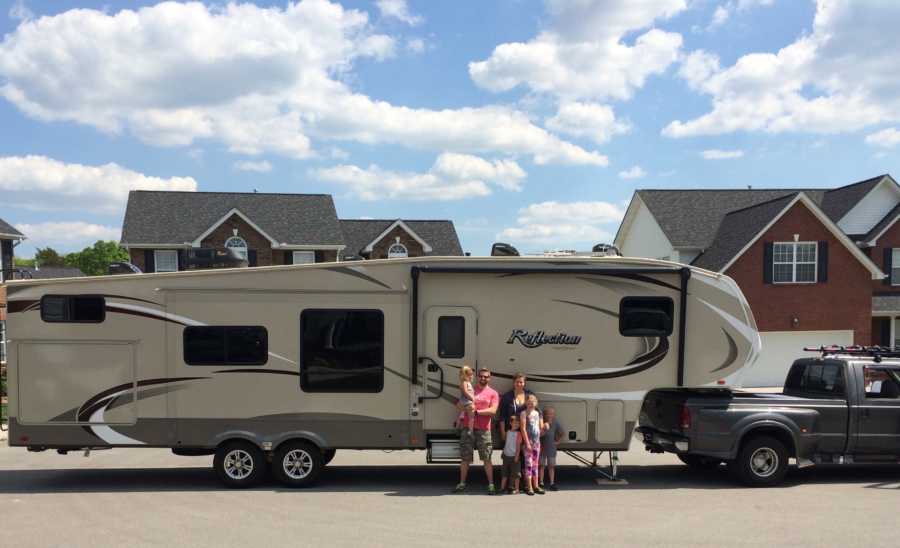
[
  {"x": 815, "y": 264},
  {"x": 9, "y": 238},
  {"x": 160, "y": 228}
]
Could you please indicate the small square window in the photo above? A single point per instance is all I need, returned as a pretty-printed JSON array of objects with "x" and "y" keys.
[{"x": 451, "y": 337}]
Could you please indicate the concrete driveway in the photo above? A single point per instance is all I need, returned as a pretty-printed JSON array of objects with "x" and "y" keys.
[{"x": 148, "y": 497}]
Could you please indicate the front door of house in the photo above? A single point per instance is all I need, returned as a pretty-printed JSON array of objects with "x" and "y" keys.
[{"x": 451, "y": 341}]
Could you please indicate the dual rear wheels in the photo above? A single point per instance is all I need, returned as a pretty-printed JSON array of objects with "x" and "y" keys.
[{"x": 296, "y": 463}]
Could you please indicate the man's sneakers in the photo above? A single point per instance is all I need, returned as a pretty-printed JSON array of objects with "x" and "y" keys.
[
  {"x": 460, "y": 487},
  {"x": 491, "y": 489},
  {"x": 553, "y": 487}
]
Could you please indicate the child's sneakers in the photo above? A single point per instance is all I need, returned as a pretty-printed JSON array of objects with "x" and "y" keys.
[
  {"x": 553, "y": 487},
  {"x": 460, "y": 487},
  {"x": 539, "y": 490}
]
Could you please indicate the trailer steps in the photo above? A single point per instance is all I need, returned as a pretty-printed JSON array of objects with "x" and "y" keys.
[{"x": 443, "y": 451}]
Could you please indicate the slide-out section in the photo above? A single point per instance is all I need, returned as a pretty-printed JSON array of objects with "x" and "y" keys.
[{"x": 58, "y": 378}]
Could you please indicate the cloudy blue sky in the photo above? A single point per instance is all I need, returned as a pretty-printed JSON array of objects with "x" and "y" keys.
[{"x": 521, "y": 120}]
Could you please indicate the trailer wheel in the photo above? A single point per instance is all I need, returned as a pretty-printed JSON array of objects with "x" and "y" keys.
[
  {"x": 297, "y": 463},
  {"x": 700, "y": 462},
  {"x": 239, "y": 464},
  {"x": 327, "y": 456},
  {"x": 762, "y": 462}
]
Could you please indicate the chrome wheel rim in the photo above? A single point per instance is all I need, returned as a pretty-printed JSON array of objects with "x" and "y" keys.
[
  {"x": 238, "y": 464},
  {"x": 764, "y": 462},
  {"x": 297, "y": 464}
]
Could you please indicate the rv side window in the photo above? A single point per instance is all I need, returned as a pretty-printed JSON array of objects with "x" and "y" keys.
[
  {"x": 342, "y": 351},
  {"x": 646, "y": 316},
  {"x": 226, "y": 345},
  {"x": 451, "y": 337},
  {"x": 73, "y": 308}
]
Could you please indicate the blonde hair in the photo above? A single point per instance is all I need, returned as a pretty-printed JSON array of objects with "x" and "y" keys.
[
  {"x": 465, "y": 373},
  {"x": 532, "y": 397},
  {"x": 549, "y": 408}
]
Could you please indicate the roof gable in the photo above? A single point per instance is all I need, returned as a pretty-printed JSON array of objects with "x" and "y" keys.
[
  {"x": 440, "y": 235},
  {"x": 178, "y": 218},
  {"x": 8, "y": 231}
]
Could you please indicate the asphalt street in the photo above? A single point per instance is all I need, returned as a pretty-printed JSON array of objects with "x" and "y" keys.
[{"x": 149, "y": 497}]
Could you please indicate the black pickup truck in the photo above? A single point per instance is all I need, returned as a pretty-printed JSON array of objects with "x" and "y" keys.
[{"x": 841, "y": 408}]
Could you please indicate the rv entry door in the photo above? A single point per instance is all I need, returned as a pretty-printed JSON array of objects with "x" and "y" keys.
[{"x": 451, "y": 341}]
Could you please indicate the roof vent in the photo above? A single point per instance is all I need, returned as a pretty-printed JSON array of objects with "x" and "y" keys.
[{"x": 500, "y": 249}]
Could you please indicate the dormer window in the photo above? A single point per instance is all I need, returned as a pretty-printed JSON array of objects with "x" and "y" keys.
[
  {"x": 397, "y": 250},
  {"x": 238, "y": 244}
]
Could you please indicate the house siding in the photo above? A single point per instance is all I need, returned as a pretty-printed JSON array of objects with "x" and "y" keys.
[
  {"x": 890, "y": 239},
  {"x": 844, "y": 302},
  {"x": 645, "y": 238},
  {"x": 871, "y": 209},
  {"x": 380, "y": 249}
]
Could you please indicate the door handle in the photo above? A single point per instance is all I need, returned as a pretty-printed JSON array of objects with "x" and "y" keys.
[{"x": 432, "y": 367}]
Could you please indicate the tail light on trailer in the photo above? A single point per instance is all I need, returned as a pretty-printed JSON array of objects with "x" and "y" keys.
[{"x": 684, "y": 420}]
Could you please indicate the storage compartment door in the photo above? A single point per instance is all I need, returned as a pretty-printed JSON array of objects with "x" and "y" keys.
[
  {"x": 610, "y": 421},
  {"x": 76, "y": 382},
  {"x": 572, "y": 416}
]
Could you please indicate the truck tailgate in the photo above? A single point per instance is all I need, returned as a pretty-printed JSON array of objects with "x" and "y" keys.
[{"x": 662, "y": 407}]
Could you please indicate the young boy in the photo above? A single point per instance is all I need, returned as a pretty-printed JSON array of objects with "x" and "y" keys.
[
  {"x": 512, "y": 453},
  {"x": 553, "y": 433}
]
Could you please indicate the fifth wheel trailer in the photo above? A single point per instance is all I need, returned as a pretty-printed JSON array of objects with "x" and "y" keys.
[{"x": 289, "y": 363}]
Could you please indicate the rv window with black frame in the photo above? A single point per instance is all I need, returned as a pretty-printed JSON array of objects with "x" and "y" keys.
[
  {"x": 646, "y": 316},
  {"x": 342, "y": 351},
  {"x": 451, "y": 337},
  {"x": 73, "y": 308},
  {"x": 226, "y": 345}
]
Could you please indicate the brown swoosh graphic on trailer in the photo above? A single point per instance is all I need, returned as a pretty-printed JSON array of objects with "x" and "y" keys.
[
  {"x": 92, "y": 404},
  {"x": 117, "y": 310},
  {"x": 654, "y": 357},
  {"x": 350, "y": 272},
  {"x": 732, "y": 352}
]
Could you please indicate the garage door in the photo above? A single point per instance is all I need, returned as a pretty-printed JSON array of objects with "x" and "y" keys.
[{"x": 781, "y": 348}]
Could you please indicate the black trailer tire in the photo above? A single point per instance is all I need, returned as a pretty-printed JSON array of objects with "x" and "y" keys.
[
  {"x": 239, "y": 464},
  {"x": 761, "y": 462},
  {"x": 700, "y": 462},
  {"x": 328, "y": 456},
  {"x": 297, "y": 463}
]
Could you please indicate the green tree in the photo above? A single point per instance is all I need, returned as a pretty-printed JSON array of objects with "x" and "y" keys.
[
  {"x": 22, "y": 261},
  {"x": 95, "y": 260},
  {"x": 49, "y": 257}
]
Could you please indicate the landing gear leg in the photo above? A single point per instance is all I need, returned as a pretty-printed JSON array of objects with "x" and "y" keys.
[{"x": 608, "y": 475}]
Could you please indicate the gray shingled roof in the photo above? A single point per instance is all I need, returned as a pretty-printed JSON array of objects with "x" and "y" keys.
[
  {"x": 6, "y": 228},
  {"x": 164, "y": 217},
  {"x": 737, "y": 229},
  {"x": 50, "y": 272},
  {"x": 440, "y": 235},
  {"x": 691, "y": 218}
]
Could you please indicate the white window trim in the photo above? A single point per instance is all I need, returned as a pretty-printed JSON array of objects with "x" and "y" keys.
[
  {"x": 303, "y": 253},
  {"x": 793, "y": 263},
  {"x": 244, "y": 249},
  {"x": 397, "y": 256},
  {"x": 894, "y": 266},
  {"x": 156, "y": 253}
]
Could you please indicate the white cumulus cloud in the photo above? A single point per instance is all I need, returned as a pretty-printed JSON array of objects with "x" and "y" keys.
[
  {"x": 399, "y": 10},
  {"x": 258, "y": 79},
  {"x": 716, "y": 154},
  {"x": 41, "y": 183},
  {"x": 886, "y": 138},
  {"x": 594, "y": 121},
  {"x": 635, "y": 172},
  {"x": 563, "y": 224},
  {"x": 67, "y": 236},
  {"x": 452, "y": 177},
  {"x": 257, "y": 167},
  {"x": 839, "y": 77}
]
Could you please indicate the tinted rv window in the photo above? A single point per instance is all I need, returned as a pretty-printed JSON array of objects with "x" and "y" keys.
[
  {"x": 342, "y": 350},
  {"x": 226, "y": 345},
  {"x": 645, "y": 316},
  {"x": 451, "y": 336},
  {"x": 73, "y": 308}
]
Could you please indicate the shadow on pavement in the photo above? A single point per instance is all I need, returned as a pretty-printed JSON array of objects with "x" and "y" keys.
[{"x": 417, "y": 481}]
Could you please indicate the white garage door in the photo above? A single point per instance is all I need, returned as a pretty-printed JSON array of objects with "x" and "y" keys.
[{"x": 781, "y": 348}]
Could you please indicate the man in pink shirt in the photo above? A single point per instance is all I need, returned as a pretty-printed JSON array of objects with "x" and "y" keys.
[{"x": 486, "y": 402}]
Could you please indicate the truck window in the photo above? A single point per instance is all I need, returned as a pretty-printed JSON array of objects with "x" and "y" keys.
[
  {"x": 342, "y": 350},
  {"x": 451, "y": 337},
  {"x": 645, "y": 316},
  {"x": 881, "y": 383},
  {"x": 225, "y": 345},
  {"x": 817, "y": 379},
  {"x": 73, "y": 308}
]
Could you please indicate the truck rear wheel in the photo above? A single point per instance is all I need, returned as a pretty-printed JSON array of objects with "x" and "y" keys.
[
  {"x": 700, "y": 462},
  {"x": 762, "y": 462},
  {"x": 297, "y": 463},
  {"x": 239, "y": 464}
]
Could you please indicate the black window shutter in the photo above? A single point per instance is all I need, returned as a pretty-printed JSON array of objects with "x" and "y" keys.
[
  {"x": 823, "y": 262},
  {"x": 251, "y": 257},
  {"x": 182, "y": 259},
  {"x": 887, "y": 264},
  {"x": 149, "y": 261},
  {"x": 886, "y": 332},
  {"x": 767, "y": 262},
  {"x": 320, "y": 256},
  {"x": 288, "y": 257}
]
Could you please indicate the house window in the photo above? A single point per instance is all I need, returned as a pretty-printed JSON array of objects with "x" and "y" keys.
[
  {"x": 2, "y": 341},
  {"x": 166, "y": 260},
  {"x": 304, "y": 257},
  {"x": 397, "y": 250},
  {"x": 794, "y": 262},
  {"x": 238, "y": 244},
  {"x": 895, "y": 266}
]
